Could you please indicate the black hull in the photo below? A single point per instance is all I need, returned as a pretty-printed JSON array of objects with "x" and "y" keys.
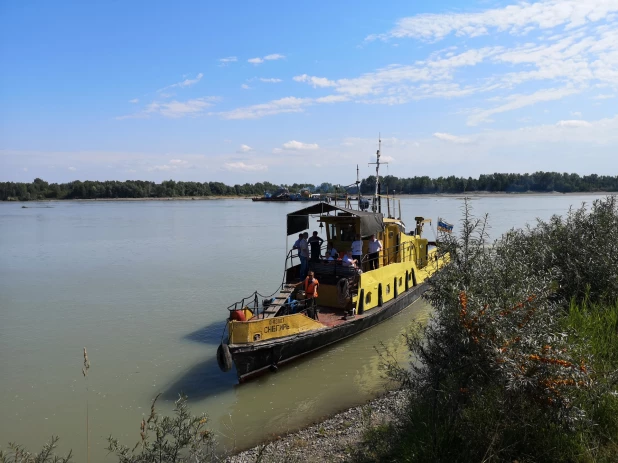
[{"x": 253, "y": 359}]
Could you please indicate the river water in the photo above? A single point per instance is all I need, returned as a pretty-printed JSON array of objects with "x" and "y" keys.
[{"x": 144, "y": 286}]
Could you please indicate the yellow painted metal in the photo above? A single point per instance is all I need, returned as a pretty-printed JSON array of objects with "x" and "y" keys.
[
  {"x": 393, "y": 275},
  {"x": 270, "y": 328}
]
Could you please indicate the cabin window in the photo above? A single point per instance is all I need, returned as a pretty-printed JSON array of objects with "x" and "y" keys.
[
  {"x": 368, "y": 298},
  {"x": 388, "y": 289},
  {"x": 400, "y": 281}
]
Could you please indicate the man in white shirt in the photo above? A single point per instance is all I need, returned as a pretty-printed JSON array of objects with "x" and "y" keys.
[
  {"x": 348, "y": 260},
  {"x": 357, "y": 249},
  {"x": 374, "y": 248}
]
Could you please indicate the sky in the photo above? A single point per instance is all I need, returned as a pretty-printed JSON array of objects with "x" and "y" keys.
[{"x": 300, "y": 91}]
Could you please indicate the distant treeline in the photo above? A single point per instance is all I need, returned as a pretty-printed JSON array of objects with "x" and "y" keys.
[{"x": 537, "y": 182}]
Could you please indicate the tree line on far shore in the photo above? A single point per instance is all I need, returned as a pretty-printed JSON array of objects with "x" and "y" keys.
[{"x": 497, "y": 182}]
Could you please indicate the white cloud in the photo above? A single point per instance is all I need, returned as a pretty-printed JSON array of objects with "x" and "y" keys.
[
  {"x": 452, "y": 138},
  {"x": 244, "y": 149},
  {"x": 272, "y": 57},
  {"x": 245, "y": 87},
  {"x": 521, "y": 101},
  {"x": 134, "y": 100},
  {"x": 271, "y": 80},
  {"x": 172, "y": 165},
  {"x": 315, "y": 81},
  {"x": 173, "y": 109},
  {"x": 161, "y": 168},
  {"x": 228, "y": 60},
  {"x": 565, "y": 62},
  {"x": 183, "y": 83},
  {"x": 283, "y": 105},
  {"x": 297, "y": 145},
  {"x": 72, "y": 169},
  {"x": 25, "y": 169},
  {"x": 604, "y": 97},
  {"x": 576, "y": 114},
  {"x": 574, "y": 123},
  {"x": 514, "y": 19},
  {"x": 332, "y": 99},
  {"x": 244, "y": 167}
]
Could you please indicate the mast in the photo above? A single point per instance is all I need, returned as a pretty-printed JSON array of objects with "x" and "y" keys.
[
  {"x": 377, "y": 204},
  {"x": 358, "y": 188}
]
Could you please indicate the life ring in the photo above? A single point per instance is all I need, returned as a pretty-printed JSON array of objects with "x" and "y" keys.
[
  {"x": 238, "y": 315},
  {"x": 224, "y": 358}
]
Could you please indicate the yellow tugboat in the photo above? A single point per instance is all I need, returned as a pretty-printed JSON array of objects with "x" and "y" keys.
[{"x": 343, "y": 295}]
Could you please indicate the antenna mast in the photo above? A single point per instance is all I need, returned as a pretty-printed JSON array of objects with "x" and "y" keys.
[
  {"x": 358, "y": 188},
  {"x": 377, "y": 204}
]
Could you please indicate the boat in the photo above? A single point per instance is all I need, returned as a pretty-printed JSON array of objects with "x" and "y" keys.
[
  {"x": 284, "y": 195},
  {"x": 280, "y": 195},
  {"x": 266, "y": 332}
]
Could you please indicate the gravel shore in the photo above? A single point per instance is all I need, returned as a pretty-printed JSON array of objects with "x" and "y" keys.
[{"x": 332, "y": 440}]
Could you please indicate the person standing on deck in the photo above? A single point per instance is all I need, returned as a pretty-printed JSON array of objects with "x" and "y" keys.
[
  {"x": 311, "y": 285},
  {"x": 357, "y": 250},
  {"x": 316, "y": 244},
  {"x": 297, "y": 243},
  {"x": 303, "y": 254},
  {"x": 374, "y": 248}
]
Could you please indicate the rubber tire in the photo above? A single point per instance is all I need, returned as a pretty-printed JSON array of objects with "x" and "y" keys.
[{"x": 224, "y": 358}]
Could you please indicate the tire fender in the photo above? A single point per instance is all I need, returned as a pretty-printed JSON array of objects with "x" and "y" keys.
[{"x": 224, "y": 357}]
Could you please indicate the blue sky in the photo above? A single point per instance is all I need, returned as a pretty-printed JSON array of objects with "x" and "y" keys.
[{"x": 298, "y": 91}]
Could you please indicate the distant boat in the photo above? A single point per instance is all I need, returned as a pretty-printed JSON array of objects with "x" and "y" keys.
[{"x": 284, "y": 195}]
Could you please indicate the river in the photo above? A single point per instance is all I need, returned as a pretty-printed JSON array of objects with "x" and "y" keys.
[{"x": 144, "y": 286}]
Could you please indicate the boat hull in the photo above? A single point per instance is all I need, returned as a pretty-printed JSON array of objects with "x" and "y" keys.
[{"x": 256, "y": 358}]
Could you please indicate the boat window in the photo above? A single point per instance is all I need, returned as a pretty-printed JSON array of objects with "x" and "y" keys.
[
  {"x": 400, "y": 281},
  {"x": 388, "y": 289},
  {"x": 368, "y": 298}
]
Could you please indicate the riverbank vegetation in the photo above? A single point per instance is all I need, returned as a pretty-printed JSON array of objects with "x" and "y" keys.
[
  {"x": 520, "y": 360},
  {"x": 540, "y": 182}
]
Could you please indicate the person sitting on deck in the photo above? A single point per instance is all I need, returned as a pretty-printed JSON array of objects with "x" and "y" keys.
[
  {"x": 316, "y": 243},
  {"x": 349, "y": 261},
  {"x": 331, "y": 252}
]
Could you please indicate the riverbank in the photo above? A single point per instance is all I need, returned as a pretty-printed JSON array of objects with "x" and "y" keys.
[
  {"x": 332, "y": 440},
  {"x": 469, "y": 194}
]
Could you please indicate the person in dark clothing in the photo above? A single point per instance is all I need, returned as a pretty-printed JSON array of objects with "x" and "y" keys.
[{"x": 316, "y": 244}]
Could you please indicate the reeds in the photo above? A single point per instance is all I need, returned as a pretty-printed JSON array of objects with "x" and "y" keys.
[{"x": 85, "y": 369}]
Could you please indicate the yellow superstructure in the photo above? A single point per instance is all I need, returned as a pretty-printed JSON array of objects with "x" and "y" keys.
[{"x": 406, "y": 260}]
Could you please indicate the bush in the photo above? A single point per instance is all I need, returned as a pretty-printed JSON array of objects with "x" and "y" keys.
[{"x": 499, "y": 373}]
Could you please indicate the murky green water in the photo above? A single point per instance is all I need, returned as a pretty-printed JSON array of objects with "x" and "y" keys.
[{"x": 144, "y": 286}]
